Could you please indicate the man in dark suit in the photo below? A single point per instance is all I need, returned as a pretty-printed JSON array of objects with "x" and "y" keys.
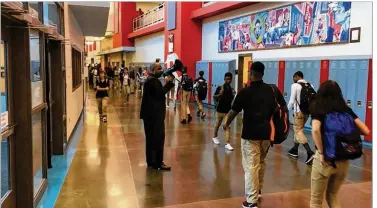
[{"x": 153, "y": 112}]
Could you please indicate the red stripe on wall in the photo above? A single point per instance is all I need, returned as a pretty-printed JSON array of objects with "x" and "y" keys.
[
  {"x": 368, "y": 118},
  {"x": 90, "y": 47},
  {"x": 94, "y": 45},
  {"x": 210, "y": 82},
  {"x": 281, "y": 76},
  {"x": 324, "y": 74}
]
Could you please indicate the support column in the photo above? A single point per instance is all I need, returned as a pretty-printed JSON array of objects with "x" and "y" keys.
[
  {"x": 127, "y": 11},
  {"x": 187, "y": 34}
]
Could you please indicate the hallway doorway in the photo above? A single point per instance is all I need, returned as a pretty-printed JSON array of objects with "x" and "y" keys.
[{"x": 244, "y": 63}]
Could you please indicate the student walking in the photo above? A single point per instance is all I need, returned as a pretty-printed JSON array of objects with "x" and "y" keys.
[
  {"x": 127, "y": 85},
  {"x": 333, "y": 122},
  {"x": 224, "y": 96},
  {"x": 302, "y": 93},
  {"x": 258, "y": 105},
  {"x": 102, "y": 95},
  {"x": 201, "y": 88},
  {"x": 187, "y": 85}
]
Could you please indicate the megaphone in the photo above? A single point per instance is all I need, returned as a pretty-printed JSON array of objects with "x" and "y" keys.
[{"x": 176, "y": 67}]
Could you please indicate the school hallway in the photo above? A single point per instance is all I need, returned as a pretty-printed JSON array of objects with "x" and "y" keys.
[{"x": 108, "y": 167}]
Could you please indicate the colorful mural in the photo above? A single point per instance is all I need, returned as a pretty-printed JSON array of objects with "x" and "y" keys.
[{"x": 305, "y": 23}]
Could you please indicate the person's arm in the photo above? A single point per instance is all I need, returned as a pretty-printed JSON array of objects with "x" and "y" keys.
[
  {"x": 236, "y": 108},
  {"x": 292, "y": 100},
  {"x": 158, "y": 89},
  {"x": 217, "y": 94},
  {"x": 317, "y": 137},
  {"x": 364, "y": 130}
]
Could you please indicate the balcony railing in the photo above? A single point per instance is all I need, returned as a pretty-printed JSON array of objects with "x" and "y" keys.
[{"x": 150, "y": 18}]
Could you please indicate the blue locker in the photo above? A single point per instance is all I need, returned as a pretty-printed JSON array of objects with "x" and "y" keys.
[
  {"x": 219, "y": 68},
  {"x": 271, "y": 72},
  {"x": 312, "y": 75},
  {"x": 362, "y": 67},
  {"x": 203, "y": 66},
  {"x": 290, "y": 69}
]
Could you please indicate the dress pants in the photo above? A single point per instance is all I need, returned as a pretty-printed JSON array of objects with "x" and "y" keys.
[{"x": 154, "y": 141}]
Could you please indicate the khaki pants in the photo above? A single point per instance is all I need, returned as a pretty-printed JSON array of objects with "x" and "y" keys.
[
  {"x": 127, "y": 91},
  {"x": 137, "y": 89},
  {"x": 299, "y": 120},
  {"x": 327, "y": 178},
  {"x": 200, "y": 103},
  {"x": 185, "y": 104},
  {"x": 102, "y": 105},
  {"x": 132, "y": 85},
  {"x": 219, "y": 119},
  {"x": 254, "y": 154},
  {"x": 116, "y": 82}
]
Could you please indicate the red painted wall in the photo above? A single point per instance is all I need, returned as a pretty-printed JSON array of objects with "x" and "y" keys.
[
  {"x": 281, "y": 76},
  {"x": 324, "y": 71},
  {"x": 187, "y": 39},
  {"x": 369, "y": 111},
  {"x": 126, "y": 15}
]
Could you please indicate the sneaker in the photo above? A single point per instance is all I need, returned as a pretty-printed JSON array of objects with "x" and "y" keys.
[
  {"x": 293, "y": 152},
  {"x": 245, "y": 204},
  {"x": 203, "y": 115},
  {"x": 309, "y": 158},
  {"x": 189, "y": 118},
  {"x": 216, "y": 140},
  {"x": 259, "y": 194},
  {"x": 228, "y": 147}
]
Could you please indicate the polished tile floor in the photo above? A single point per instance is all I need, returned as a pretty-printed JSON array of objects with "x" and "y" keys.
[{"x": 109, "y": 169}]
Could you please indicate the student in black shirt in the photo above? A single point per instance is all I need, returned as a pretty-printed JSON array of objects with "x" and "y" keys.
[
  {"x": 224, "y": 95},
  {"x": 258, "y": 104},
  {"x": 102, "y": 96}
]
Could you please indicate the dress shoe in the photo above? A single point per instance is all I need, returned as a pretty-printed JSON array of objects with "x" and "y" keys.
[{"x": 162, "y": 167}]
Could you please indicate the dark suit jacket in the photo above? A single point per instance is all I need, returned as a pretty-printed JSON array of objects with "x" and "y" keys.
[{"x": 153, "y": 104}]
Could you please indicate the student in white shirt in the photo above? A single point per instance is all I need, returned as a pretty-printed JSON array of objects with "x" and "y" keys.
[{"x": 299, "y": 118}]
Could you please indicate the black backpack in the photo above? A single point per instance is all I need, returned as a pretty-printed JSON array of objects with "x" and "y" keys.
[
  {"x": 306, "y": 97},
  {"x": 187, "y": 83},
  {"x": 280, "y": 118},
  {"x": 202, "y": 89}
]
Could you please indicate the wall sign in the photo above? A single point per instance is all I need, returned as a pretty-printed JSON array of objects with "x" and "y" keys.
[
  {"x": 304, "y": 23},
  {"x": 4, "y": 120},
  {"x": 171, "y": 44}
]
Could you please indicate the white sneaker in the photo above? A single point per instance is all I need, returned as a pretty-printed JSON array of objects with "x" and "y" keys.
[
  {"x": 228, "y": 147},
  {"x": 216, "y": 140}
]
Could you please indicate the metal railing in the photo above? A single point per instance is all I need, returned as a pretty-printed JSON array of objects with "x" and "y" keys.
[{"x": 151, "y": 17}]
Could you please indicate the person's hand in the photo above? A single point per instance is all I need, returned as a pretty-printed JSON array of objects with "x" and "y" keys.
[
  {"x": 322, "y": 159},
  {"x": 170, "y": 77},
  {"x": 107, "y": 88}
]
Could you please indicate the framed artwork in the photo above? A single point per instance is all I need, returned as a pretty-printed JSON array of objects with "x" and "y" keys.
[
  {"x": 299, "y": 24},
  {"x": 355, "y": 35}
]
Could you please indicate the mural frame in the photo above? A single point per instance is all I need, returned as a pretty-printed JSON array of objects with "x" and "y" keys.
[{"x": 277, "y": 47}]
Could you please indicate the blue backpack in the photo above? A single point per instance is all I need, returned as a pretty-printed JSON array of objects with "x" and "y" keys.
[{"x": 341, "y": 138}]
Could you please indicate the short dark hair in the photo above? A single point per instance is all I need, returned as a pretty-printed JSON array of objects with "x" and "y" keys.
[
  {"x": 228, "y": 74},
  {"x": 299, "y": 74},
  {"x": 184, "y": 70},
  {"x": 201, "y": 73}
]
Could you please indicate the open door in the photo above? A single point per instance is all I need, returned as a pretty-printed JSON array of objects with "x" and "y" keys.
[{"x": 244, "y": 63}]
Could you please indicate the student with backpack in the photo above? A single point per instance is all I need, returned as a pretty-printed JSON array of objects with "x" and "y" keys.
[
  {"x": 302, "y": 94},
  {"x": 336, "y": 131},
  {"x": 187, "y": 85},
  {"x": 127, "y": 85},
  {"x": 201, "y": 89},
  {"x": 259, "y": 104},
  {"x": 224, "y": 96}
]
